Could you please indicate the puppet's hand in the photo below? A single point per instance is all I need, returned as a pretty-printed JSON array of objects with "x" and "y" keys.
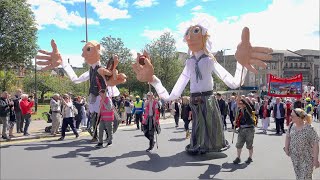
[
  {"x": 104, "y": 72},
  {"x": 53, "y": 59},
  {"x": 143, "y": 72},
  {"x": 116, "y": 78},
  {"x": 248, "y": 56}
]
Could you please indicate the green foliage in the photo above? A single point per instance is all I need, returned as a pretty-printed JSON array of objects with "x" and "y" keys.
[
  {"x": 219, "y": 84},
  {"x": 165, "y": 60},
  {"x": 47, "y": 83},
  {"x": 17, "y": 33},
  {"x": 114, "y": 46},
  {"x": 8, "y": 80}
]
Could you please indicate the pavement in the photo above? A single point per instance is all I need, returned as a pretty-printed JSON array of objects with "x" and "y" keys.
[
  {"x": 127, "y": 159},
  {"x": 37, "y": 130}
]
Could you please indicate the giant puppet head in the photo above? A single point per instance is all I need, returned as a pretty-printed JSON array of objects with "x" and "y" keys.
[
  {"x": 91, "y": 52},
  {"x": 197, "y": 39}
]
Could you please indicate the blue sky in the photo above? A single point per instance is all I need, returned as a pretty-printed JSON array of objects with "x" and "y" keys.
[{"x": 273, "y": 23}]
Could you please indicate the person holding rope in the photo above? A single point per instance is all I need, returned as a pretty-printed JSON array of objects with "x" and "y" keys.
[
  {"x": 207, "y": 129},
  {"x": 245, "y": 123},
  {"x": 150, "y": 122}
]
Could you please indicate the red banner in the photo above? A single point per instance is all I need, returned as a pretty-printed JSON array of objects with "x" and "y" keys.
[{"x": 285, "y": 87}]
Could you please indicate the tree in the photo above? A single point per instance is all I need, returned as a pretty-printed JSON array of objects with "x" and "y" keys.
[
  {"x": 47, "y": 83},
  {"x": 17, "y": 33},
  {"x": 165, "y": 60},
  {"x": 8, "y": 80},
  {"x": 115, "y": 46}
]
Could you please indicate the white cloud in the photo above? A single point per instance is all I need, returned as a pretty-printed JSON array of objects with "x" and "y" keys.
[
  {"x": 180, "y": 3},
  {"x": 123, "y": 4},
  {"x": 145, "y": 3},
  {"x": 134, "y": 53},
  {"x": 197, "y": 8},
  {"x": 69, "y": 1},
  {"x": 105, "y": 11},
  {"x": 76, "y": 60},
  {"x": 205, "y": 0},
  {"x": 50, "y": 12},
  {"x": 154, "y": 34},
  {"x": 291, "y": 29}
]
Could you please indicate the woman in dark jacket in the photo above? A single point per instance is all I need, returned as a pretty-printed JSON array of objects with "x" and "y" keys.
[
  {"x": 78, "y": 104},
  {"x": 186, "y": 114},
  {"x": 264, "y": 113}
]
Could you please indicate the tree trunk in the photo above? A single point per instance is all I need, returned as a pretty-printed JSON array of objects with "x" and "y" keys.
[{"x": 42, "y": 96}]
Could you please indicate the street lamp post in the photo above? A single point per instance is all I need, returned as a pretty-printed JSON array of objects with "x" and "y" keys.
[
  {"x": 35, "y": 87},
  {"x": 85, "y": 10},
  {"x": 224, "y": 57}
]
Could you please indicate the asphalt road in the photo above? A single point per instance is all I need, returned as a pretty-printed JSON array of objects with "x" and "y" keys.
[{"x": 127, "y": 158}]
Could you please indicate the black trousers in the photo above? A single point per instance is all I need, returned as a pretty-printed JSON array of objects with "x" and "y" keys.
[
  {"x": 231, "y": 119},
  {"x": 280, "y": 125},
  {"x": 149, "y": 132},
  {"x": 129, "y": 118},
  {"x": 186, "y": 123},
  {"x": 78, "y": 121},
  {"x": 138, "y": 119},
  {"x": 176, "y": 119},
  {"x": 65, "y": 123},
  {"x": 224, "y": 117}
]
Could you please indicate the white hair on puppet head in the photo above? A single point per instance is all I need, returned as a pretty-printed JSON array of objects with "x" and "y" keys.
[{"x": 204, "y": 25}]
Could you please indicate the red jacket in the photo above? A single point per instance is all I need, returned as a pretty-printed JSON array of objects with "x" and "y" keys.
[
  {"x": 155, "y": 111},
  {"x": 26, "y": 106}
]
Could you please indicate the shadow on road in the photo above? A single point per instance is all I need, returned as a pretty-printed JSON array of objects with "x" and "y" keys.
[
  {"x": 158, "y": 164},
  {"x": 177, "y": 139},
  {"x": 139, "y": 135},
  {"x": 230, "y": 167},
  {"x": 178, "y": 131}
]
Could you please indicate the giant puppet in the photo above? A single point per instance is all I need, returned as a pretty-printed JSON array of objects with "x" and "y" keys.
[
  {"x": 207, "y": 130},
  {"x": 99, "y": 77}
]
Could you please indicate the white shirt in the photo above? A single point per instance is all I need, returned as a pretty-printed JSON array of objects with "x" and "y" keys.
[
  {"x": 207, "y": 66},
  {"x": 150, "y": 107},
  {"x": 67, "y": 110},
  {"x": 93, "y": 107},
  {"x": 55, "y": 105}
]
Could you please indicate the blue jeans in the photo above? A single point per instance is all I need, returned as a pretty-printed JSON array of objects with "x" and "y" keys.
[{"x": 27, "y": 119}]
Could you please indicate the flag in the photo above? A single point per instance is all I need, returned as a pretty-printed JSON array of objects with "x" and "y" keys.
[{"x": 285, "y": 87}]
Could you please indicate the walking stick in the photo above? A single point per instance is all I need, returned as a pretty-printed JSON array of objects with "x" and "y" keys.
[
  {"x": 96, "y": 125},
  {"x": 234, "y": 126},
  {"x": 156, "y": 132}
]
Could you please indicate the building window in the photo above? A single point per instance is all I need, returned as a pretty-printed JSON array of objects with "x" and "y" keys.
[
  {"x": 286, "y": 65},
  {"x": 295, "y": 65},
  {"x": 291, "y": 65},
  {"x": 300, "y": 65}
]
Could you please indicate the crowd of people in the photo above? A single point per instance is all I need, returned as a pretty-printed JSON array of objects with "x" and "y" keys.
[{"x": 244, "y": 112}]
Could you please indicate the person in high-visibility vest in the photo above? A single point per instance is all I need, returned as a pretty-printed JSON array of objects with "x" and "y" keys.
[
  {"x": 138, "y": 107},
  {"x": 309, "y": 107}
]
